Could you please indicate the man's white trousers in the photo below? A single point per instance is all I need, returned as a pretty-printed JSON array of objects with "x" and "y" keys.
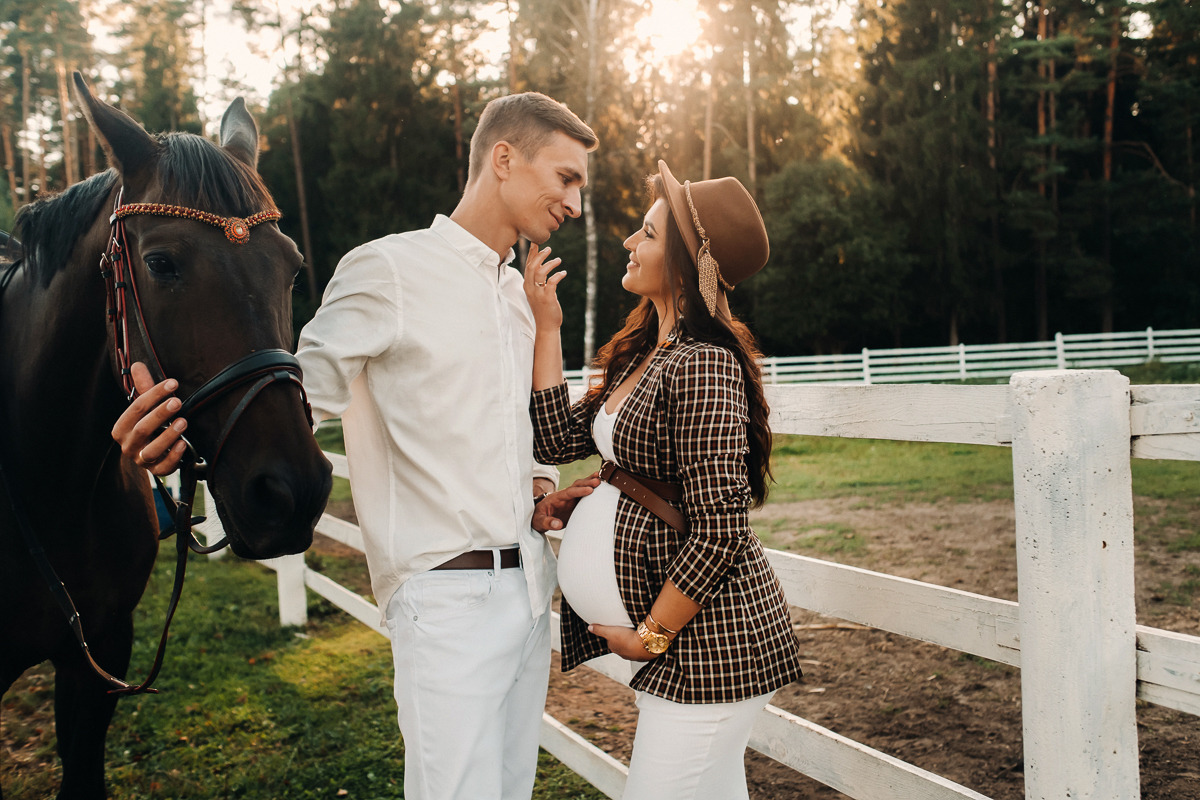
[{"x": 472, "y": 665}]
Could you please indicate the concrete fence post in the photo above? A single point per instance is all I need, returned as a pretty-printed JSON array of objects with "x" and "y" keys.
[{"x": 1074, "y": 524}]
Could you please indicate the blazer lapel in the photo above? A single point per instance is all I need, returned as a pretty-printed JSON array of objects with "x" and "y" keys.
[{"x": 629, "y": 368}]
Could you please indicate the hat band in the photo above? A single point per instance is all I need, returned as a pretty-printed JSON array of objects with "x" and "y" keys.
[{"x": 706, "y": 265}]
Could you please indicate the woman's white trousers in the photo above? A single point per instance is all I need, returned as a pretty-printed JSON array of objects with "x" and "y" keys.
[{"x": 691, "y": 752}]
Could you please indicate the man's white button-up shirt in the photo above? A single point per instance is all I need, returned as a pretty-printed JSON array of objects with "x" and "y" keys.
[{"x": 423, "y": 345}]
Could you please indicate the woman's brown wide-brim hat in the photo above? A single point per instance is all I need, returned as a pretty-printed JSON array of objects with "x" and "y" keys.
[{"x": 722, "y": 228}]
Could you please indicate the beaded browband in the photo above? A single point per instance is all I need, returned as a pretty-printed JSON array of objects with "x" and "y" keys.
[{"x": 237, "y": 230}]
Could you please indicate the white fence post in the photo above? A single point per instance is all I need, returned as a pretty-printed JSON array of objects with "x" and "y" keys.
[
  {"x": 1149, "y": 344},
  {"x": 962, "y": 361},
  {"x": 293, "y": 600},
  {"x": 1060, "y": 348},
  {"x": 866, "y": 366},
  {"x": 1074, "y": 522}
]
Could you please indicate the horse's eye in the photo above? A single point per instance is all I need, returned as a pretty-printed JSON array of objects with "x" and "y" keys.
[{"x": 160, "y": 265}]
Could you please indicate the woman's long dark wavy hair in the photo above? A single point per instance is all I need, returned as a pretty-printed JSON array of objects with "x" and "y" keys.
[{"x": 692, "y": 320}]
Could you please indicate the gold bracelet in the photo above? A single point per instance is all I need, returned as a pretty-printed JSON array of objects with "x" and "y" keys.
[{"x": 660, "y": 626}]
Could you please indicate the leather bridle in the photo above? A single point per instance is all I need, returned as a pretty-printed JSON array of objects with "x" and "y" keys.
[{"x": 252, "y": 373}]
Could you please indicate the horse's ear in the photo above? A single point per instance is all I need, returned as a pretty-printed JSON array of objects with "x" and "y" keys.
[
  {"x": 126, "y": 143},
  {"x": 239, "y": 133}
]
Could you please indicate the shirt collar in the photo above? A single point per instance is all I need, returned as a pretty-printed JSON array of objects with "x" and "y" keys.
[{"x": 471, "y": 248}]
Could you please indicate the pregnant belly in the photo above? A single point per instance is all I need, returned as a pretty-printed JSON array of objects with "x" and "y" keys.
[{"x": 586, "y": 572}]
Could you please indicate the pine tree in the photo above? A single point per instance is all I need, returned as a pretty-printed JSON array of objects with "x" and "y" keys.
[
  {"x": 923, "y": 136},
  {"x": 160, "y": 67}
]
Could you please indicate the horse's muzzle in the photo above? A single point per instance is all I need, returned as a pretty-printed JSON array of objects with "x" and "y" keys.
[{"x": 277, "y": 510}]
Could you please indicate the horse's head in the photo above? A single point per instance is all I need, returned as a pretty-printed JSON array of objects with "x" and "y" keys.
[{"x": 214, "y": 287}]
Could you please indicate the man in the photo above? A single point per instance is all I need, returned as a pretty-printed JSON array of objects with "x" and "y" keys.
[{"x": 423, "y": 345}]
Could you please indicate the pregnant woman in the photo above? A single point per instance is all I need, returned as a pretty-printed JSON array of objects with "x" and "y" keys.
[{"x": 659, "y": 564}]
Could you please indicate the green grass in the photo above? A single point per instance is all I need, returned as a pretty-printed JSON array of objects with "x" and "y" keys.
[
  {"x": 811, "y": 467},
  {"x": 578, "y": 469},
  {"x": 827, "y": 538},
  {"x": 1180, "y": 594},
  {"x": 1158, "y": 372},
  {"x": 329, "y": 436},
  {"x": 250, "y": 710},
  {"x": 1190, "y": 542},
  {"x": 1166, "y": 480}
]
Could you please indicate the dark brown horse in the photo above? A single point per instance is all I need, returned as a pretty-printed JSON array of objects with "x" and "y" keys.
[{"x": 207, "y": 302}]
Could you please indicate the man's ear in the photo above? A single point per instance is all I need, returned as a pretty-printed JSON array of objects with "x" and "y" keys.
[{"x": 502, "y": 156}]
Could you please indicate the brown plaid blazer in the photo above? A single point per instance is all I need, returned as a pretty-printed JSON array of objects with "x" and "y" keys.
[{"x": 684, "y": 422}]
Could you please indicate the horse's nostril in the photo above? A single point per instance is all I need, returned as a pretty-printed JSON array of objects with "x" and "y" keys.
[
  {"x": 273, "y": 509},
  {"x": 272, "y": 498}
]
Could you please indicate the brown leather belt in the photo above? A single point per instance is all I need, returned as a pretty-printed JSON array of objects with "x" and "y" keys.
[
  {"x": 652, "y": 495},
  {"x": 483, "y": 559}
]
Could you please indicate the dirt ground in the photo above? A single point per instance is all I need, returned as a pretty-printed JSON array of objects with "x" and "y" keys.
[{"x": 956, "y": 715}]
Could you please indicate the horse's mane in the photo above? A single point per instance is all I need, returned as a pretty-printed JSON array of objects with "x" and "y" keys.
[
  {"x": 192, "y": 172},
  {"x": 196, "y": 173}
]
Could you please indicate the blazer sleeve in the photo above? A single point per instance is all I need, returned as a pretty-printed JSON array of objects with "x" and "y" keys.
[
  {"x": 562, "y": 433},
  {"x": 707, "y": 417}
]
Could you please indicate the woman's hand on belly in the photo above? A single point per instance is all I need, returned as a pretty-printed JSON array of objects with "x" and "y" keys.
[{"x": 623, "y": 641}]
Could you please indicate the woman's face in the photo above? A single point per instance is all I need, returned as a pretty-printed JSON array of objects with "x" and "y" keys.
[{"x": 645, "y": 274}]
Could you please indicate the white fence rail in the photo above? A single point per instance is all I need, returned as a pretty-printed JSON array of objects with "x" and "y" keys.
[
  {"x": 1083, "y": 659},
  {"x": 979, "y": 362}
]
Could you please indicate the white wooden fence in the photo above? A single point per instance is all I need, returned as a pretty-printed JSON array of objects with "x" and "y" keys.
[
  {"x": 1083, "y": 659},
  {"x": 980, "y": 362}
]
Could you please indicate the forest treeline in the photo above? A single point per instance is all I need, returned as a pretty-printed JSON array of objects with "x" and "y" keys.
[{"x": 931, "y": 171}]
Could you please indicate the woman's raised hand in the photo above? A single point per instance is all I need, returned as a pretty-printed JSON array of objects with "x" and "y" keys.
[{"x": 542, "y": 288}]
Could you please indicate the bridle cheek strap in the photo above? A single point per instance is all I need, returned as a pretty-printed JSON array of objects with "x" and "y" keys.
[{"x": 118, "y": 279}]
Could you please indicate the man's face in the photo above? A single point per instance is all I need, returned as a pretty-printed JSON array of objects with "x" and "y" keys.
[{"x": 543, "y": 191}]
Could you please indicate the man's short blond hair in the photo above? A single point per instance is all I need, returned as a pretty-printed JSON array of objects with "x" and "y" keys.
[{"x": 527, "y": 121}]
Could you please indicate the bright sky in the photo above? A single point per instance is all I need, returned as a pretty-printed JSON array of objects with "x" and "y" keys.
[
  {"x": 671, "y": 27},
  {"x": 232, "y": 53},
  {"x": 254, "y": 62}
]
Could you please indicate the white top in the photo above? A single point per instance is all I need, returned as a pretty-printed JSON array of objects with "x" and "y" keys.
[
  {"x": 423, "y": 345},
  {"x": 587, "y": 573}
]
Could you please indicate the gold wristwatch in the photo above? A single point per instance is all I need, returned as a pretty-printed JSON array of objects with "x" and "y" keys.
[{"x": 655, "y": 643}]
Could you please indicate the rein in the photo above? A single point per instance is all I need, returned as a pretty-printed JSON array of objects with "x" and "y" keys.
[{"x": 256, "y": 371}]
